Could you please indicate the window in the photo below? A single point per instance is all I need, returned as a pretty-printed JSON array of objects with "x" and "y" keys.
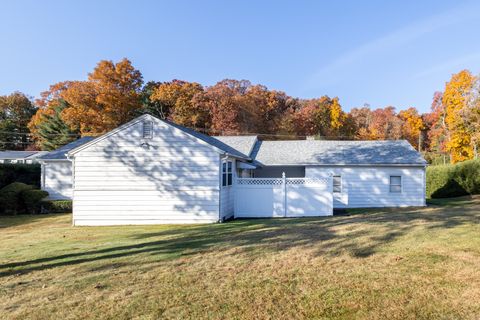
[
  {"x": 227, "y": 173},
  {"x": 395, "y": 184},
  {"x": 337, "y": 184},
  {"x": 147, "y": 129}
]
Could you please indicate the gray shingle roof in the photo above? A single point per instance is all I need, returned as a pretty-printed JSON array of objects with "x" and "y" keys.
[
  {"x": 323, "y": 152},
  {"x": 17, "y": 154},
  {"x": 60, "y": 153},
  {"x": 210, "y": 140},
  {"x": 243, "y": 144}
]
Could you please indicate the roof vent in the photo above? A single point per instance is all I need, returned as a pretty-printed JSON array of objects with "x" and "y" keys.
[{"x": 147, "y": 129}]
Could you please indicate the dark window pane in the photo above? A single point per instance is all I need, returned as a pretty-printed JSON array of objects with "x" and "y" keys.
[
  {"x": 396, "y": 180},
  {"x": 337, "y": 184},
  {"x": 230, "y": 179},
  {"x": 395, "y": 184}
]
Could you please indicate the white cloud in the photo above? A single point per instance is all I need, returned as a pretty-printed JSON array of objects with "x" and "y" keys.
[
  {"x": 326, "y": 74},
  {"x": 450, "y": 65}
]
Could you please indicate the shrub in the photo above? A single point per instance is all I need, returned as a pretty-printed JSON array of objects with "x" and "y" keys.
[
  {"x": 453, "y": 180},
  {"x": 56, "y": 206},
  {"x": 25, "y": 173},
  {"x": 32, "y": 200},
  {"x": 11, "y": 201}
]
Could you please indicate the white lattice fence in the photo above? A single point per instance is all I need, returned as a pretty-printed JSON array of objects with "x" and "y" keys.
[
  {"x": 259, "y": 181},
  {"x": 305, "y": 181},
  {"x": 283, "y": 197}
]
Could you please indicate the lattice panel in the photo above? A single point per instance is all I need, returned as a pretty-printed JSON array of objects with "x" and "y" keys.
[
  {"x": 303, "y": 181},
  {"x": 256, "y": 181},
  {"x": 277, "y": 181}
]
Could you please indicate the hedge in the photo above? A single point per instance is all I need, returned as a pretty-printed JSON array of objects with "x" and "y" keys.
[
  {"x": 32, "y": 200},
  {"x": 25, "y": 173},
  {"x": 460, "y": 179},
  {"x": 17, "y": 198},
  {"x": 11, "y": 201},
  {"x": 56, "y": 206}
]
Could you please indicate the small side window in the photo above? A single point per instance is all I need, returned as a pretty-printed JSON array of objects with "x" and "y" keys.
[
  {"x": 227, "y": 173},
  {"x": 337, "y": 184},
  {"x": 395, "y": 184},
  {"x": 147, "y": 129},
  {"x": 224, "y": 174}
]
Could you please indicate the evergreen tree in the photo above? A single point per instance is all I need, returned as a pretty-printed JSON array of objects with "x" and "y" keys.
[{"x": 54, "y": 132}]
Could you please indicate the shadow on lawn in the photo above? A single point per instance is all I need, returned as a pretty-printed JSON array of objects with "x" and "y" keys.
[{"x": 359, "y": 235}]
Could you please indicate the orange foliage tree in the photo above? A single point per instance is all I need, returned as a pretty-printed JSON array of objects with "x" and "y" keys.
[
  {"x": 323, "y": 117},
  {"x": 109, "y": 98},
  {"x": 435, "y": 123},
  {"x": 179, "y": 102}
]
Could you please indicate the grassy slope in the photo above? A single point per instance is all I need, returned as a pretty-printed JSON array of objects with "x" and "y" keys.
[{"x": 396, "y": 264}]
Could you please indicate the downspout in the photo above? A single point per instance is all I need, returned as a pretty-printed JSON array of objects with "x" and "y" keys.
[
  {"x": 425, "y": 186},
  {"x": 42, "y": 175},
  {"x": 72, "y": 160}
]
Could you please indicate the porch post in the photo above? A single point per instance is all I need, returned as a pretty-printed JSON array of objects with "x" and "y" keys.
[{"x": 284, "y": 189}]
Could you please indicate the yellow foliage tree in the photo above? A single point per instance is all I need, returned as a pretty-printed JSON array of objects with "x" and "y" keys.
[
  {"x": 412, "y": 125},
  {"x": 455, "y": 100},
  {"x": 337, "y": 116}
]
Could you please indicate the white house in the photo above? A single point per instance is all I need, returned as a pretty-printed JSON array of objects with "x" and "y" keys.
[
  {"x": 56, "y": 173},
  {"x": 152, "y": 171}
]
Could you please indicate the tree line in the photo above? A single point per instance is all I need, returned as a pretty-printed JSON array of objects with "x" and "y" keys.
[{"x": 115, "y": 93}]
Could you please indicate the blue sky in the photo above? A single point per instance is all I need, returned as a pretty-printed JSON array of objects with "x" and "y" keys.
[{"x": 378, "y": 52}]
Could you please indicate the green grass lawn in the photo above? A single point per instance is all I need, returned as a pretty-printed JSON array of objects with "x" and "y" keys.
[{"x": 395, "y": 263}]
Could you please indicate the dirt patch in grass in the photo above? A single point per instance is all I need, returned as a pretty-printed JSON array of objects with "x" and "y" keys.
[{"x": 417, "y": 263}]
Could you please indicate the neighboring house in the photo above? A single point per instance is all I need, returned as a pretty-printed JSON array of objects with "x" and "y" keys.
[
  {"x": 27, "y": 157},
  {"x": 151, "y": 171},
  {"x": 56, "y": 174}
]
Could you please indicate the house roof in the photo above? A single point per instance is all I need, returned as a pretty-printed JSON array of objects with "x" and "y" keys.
[
  {"x": 289, "y": 152},
  {"x": 60, "y": 153},
  {"x": 243, "y": 144},
  {"x": 213, "y": 141},
  {"x": 18, "y": 154},
  {"x": 327, "y": 152}
]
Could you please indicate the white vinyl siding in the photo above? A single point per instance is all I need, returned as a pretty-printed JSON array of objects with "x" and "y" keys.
[
  {"x": 370, "y": 186},
  {"x": 172, "y": 178},
  {"x": 57, "y": 179}
]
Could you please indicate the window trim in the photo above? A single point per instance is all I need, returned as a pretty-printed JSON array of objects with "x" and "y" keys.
[
  {"x": 227, "y": 173},
  {"x": 390, "y": 185},
  {"x": 340, "y": 185}
]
